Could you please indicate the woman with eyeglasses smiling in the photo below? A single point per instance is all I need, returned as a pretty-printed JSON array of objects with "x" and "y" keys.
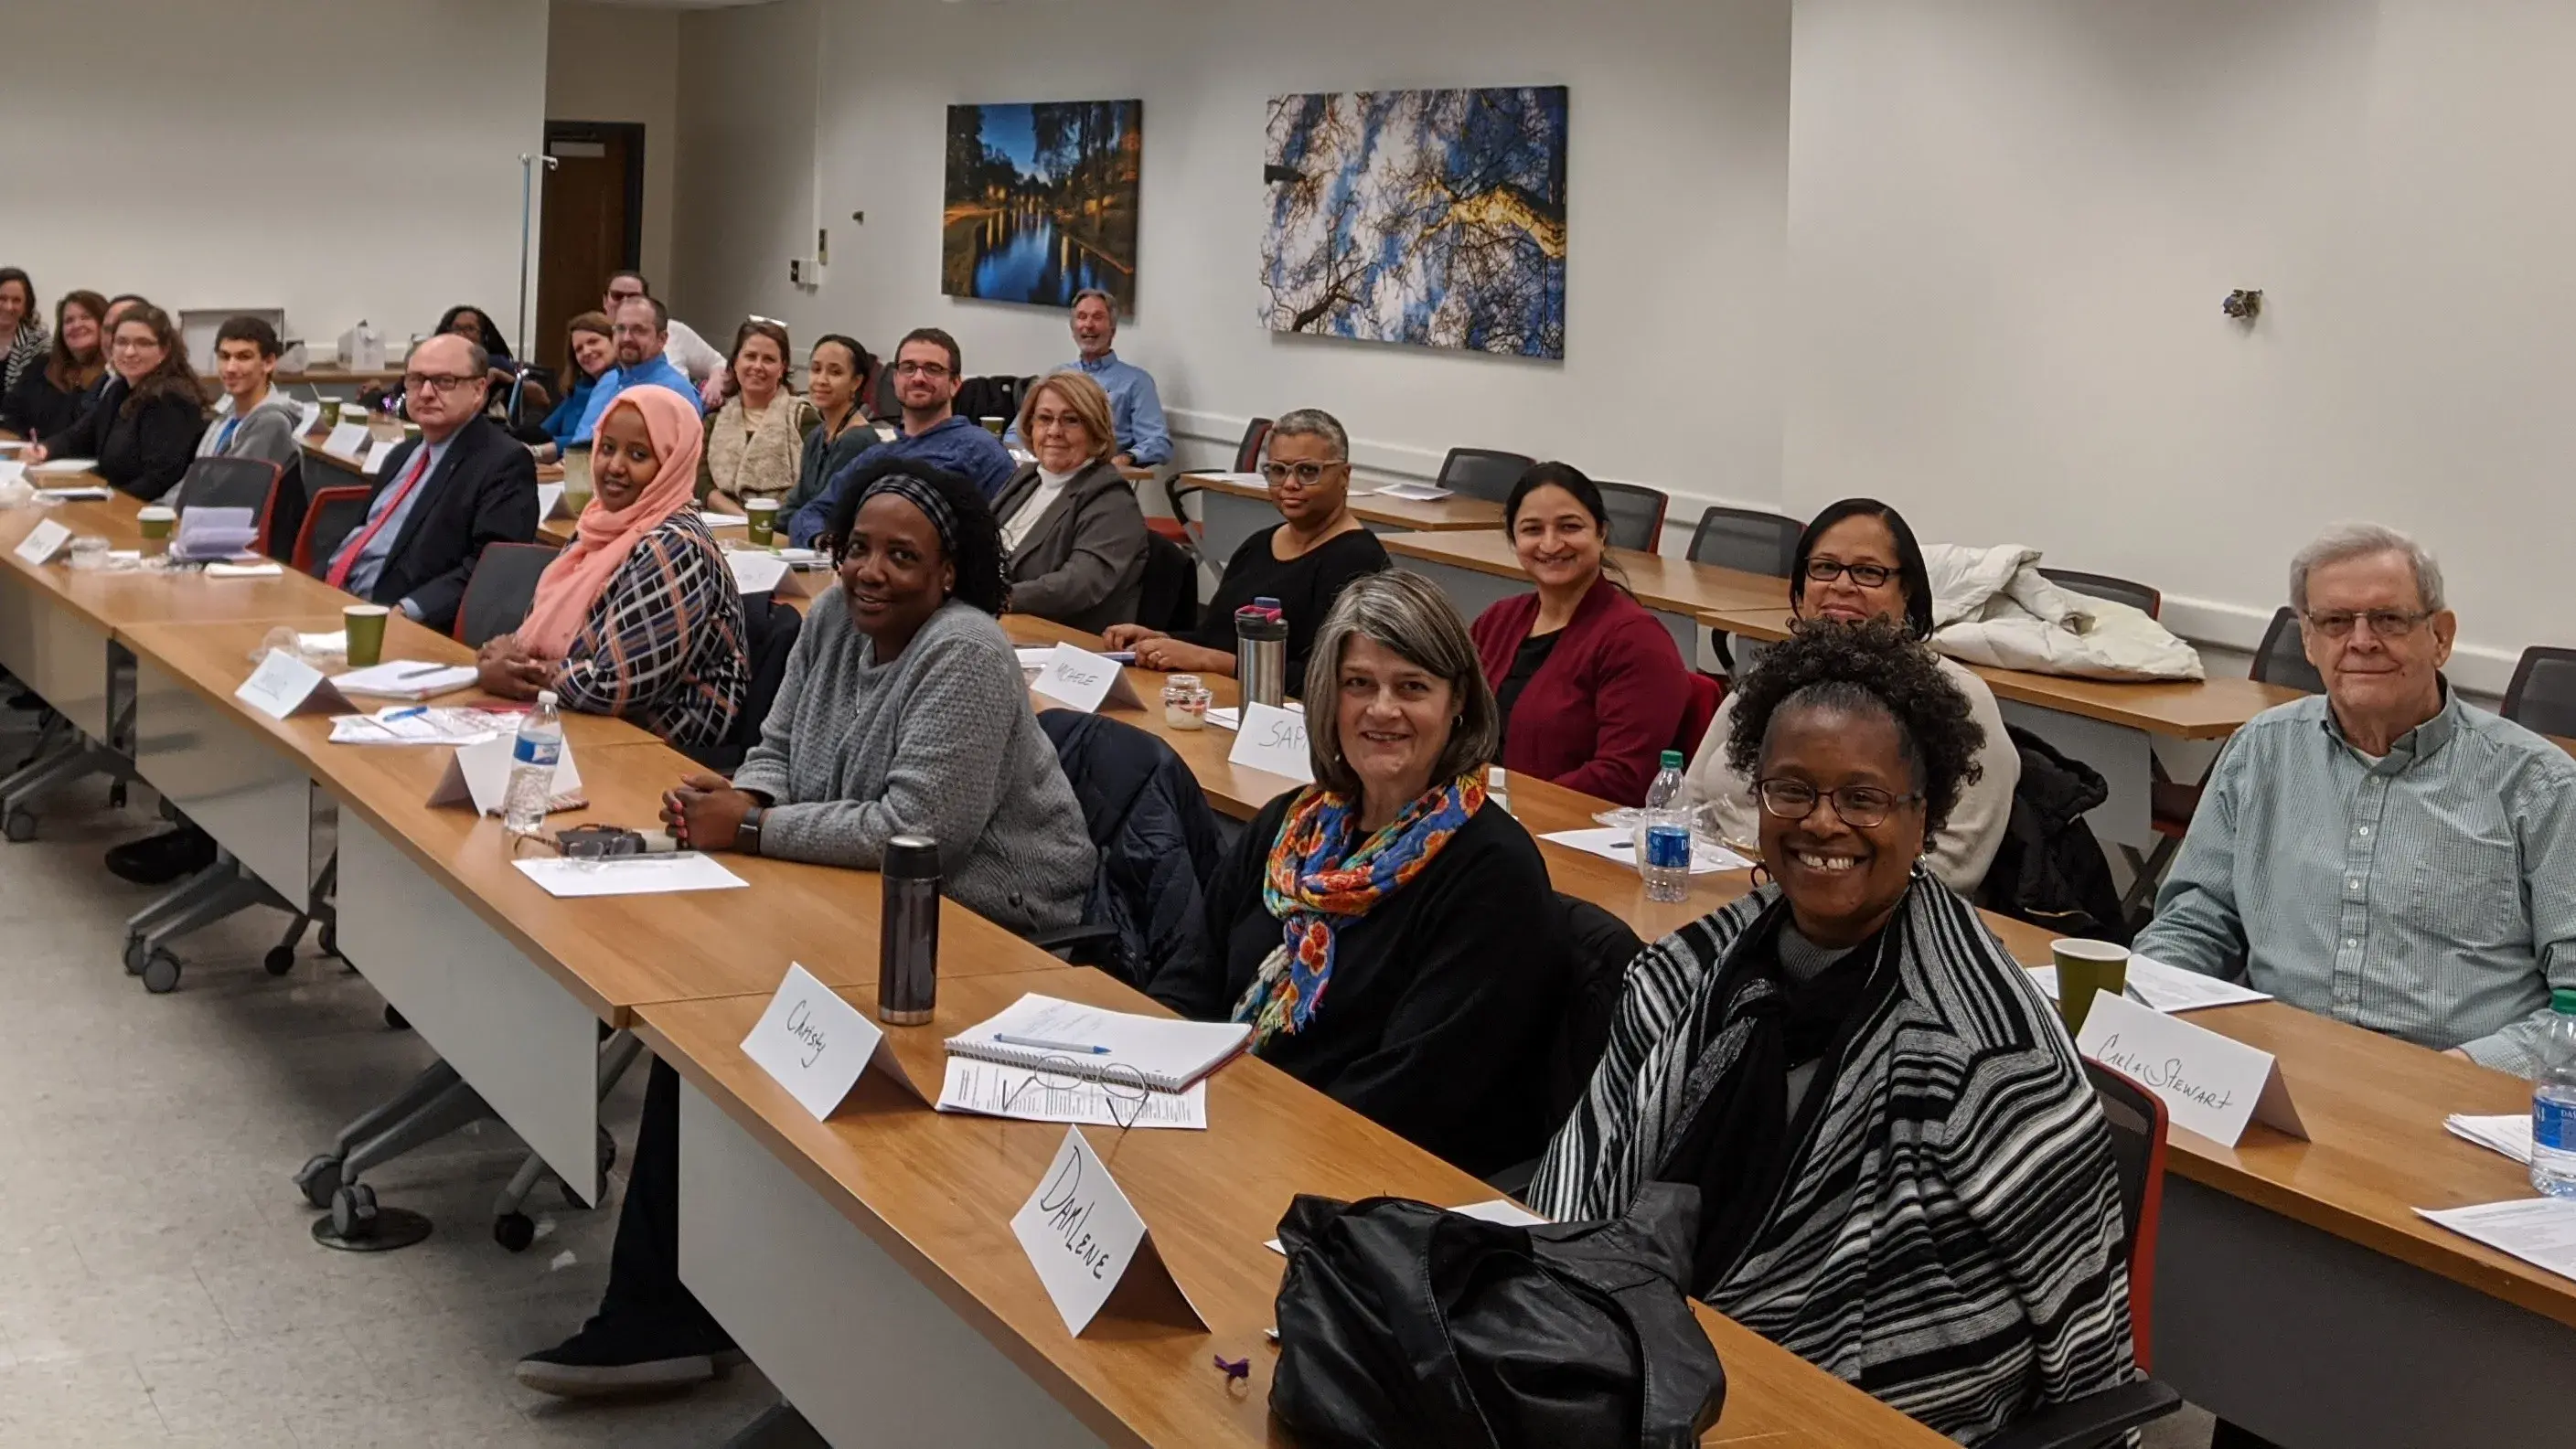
[
  {"x": 143, "y": 429},
  {"x": 1858, "y": 561},
  {"x": 1304, "y": 562},
  {"x": 1903, "y": 1175}
]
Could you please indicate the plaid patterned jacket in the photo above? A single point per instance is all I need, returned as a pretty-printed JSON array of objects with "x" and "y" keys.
[{"x": 663, "y": 643}]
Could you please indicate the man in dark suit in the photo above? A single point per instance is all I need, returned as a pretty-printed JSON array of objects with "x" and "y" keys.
[{"x": 463, "y": 484}]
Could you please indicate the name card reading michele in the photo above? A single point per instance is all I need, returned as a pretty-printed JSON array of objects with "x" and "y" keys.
[
  {"x": 1088, "y": 1242},
  {"x": 284, "y": 685},
  {"x": 1274, "y": 740},
  {"x": 1084, "y": 680},
  {"x": 2212, "y": 1085},
  {"x": 817, "y": 1045}
]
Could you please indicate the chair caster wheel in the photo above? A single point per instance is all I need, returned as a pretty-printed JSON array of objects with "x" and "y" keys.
[
  {"x": 318, "y": 1179},
  {"x": 514, "y": 1231},
  {"x": 330, "y": 941},
  {"x": 116, "y": 796},
  {"x": 19, "y": 826},
  {"x": 353, "y": 1212},
  {"x": 137, "y": 951},
  {"x": 607, "y": 1152},
  {"x": 279, "y": 960},
  {"x": 394, "y": 1019},
  {"x": 161, "y": 972}
]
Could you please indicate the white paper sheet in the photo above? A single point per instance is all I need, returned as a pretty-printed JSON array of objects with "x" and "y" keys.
[
  {"x": 268, "y": 570},
  {"x": 993, "y": 1090},
  {"x": 634, "y": 875},
  {"x": 2509, "y": 1134},
  {"x": 89, "y": 493},
  {"x": 2540, "y": 1231},
  {"x": 1414, "y": 492},
  {"x": 722, "y": 520},
  {"x": 412, "y": 725},
  {"x": 405, "y": 679},
  {"x": 1707, "y": 856},
  {"x": 2168, "y": 989}
]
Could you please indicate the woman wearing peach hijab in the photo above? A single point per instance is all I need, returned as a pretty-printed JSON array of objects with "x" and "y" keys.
[{"x": 641, "y": 616}]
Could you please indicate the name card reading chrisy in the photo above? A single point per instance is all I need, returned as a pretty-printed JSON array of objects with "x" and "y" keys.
[
  {"x": 42, "y": 542},
  {"x": 479, "y": 775},
  {"x": 1084, "y": 680},
  {"x": 817, "y": 1045},
  {"x": 348, "y": 440},
  {"x": 1273, "y": 739},
  {"x": 1089, "y": 1245},
  {"x": 284, "y": 685},
  {"x": 2212, "y": 1085}
]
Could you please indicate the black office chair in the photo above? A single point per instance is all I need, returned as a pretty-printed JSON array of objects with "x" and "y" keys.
[
  {"x": 233, "y": 483},
  {"x": 1636, "y": 515},
  {"x": 2542, "y": 696},
  {"x": 504, "y": 585},
  {"x": 2138, "y": 596},
  {"x": 1602, "y": 948},
  {"x": 769, "y": 636},
  {"x": 1749, "y": 540},
  {"x": 2283, "y": 657},
  {"x": 1247, "y": 454},
  {"x": 1482, "y": 472},
  {"x": 329, "y": 517},
  {"x": 1170, "y": 598},
  {"x": 2138, "y": 1129},
  {"x": 887, "y": 407},
  {"x": 286, "y": 515}
]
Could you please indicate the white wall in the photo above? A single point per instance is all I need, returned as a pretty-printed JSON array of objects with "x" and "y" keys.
[
  {"x": 2010, "y": 226},
  {"x": 620, "y": 63},
  {"x": 339, "y": 158},
  {"x": 1676, "y": 173}
]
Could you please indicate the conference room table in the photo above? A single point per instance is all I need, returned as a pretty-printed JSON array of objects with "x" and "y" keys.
[{"x": 1236, "y": 506}]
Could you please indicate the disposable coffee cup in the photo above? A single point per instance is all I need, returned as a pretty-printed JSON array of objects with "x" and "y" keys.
[
  {"x": 2084, "y": 969},
  {"x": 762, "y": 517},
  {"x": 351, "y": 412},
  {"x": 156, "y": 520},
  {"x": 366, "y": 626},
  {"x": 995, "y": 426}
]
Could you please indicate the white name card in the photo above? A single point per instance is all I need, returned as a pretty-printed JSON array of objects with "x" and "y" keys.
[
  {"x": 817, "y": 1045},
  {"x": 549, "y": 498},
  {"x": 349, "y": 440},
  {"x": 312, "y": 412},
  {"x": 2212, "y": 1085},
  {"x": 42, "y": 542},
  {"x": 1273, "y": 739},
  {"x": 1088, "y": 1242},
  {"x": 479, "y": 775},
  {"x": 377, "y": 453},
  {"x": 756, "y": 571},
  {"x": 11, "y": 470},
  {"x": 1084, "y": 680},
  {"x": 284, "y": 685}
]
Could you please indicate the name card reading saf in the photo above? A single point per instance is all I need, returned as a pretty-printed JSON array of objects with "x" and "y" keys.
[
  {"x": 284, "y": 685},
  {"x": 2211, "y": 1084},
  {"x": 1084, "y": 680},
  {"x": 1091, "y": 1248},
  {"x": 1274, "y": 740},
  {"x": 817, "y": 1045}
]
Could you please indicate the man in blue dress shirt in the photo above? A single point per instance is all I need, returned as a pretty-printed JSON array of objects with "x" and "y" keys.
[
  {"x": 643, "y": 332},
  {"x": 1143, "y": 439},
  {"x": 927, "y": 370}
]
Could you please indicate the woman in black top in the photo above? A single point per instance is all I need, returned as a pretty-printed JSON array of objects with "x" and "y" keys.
[
  {"x": 143, "y": 430},
  {"x": 48, "y": 397},
  {"x": 1304, "y": 563},
  {"x": 1392, "y": 881}
]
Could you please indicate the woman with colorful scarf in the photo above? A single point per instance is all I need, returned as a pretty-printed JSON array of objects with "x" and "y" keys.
[{"x": 1389, "y": 934}]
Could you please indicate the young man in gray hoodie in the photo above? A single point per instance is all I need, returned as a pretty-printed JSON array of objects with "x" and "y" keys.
[{"x": 256, "y": 421}]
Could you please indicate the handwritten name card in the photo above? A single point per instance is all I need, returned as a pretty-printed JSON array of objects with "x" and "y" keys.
[
  {"x": 2210, "y": 1084},
  {"x": 1084, "y": 680},
  {"x": 283, "y": 685},
  {"x": 817, "y": 1045},
  {"x": 42, "y": 542},
  {"x": 1089, "y": 1245},
  {"x": 1274, "y": 740},
  {"x": 479, "y": 775}
]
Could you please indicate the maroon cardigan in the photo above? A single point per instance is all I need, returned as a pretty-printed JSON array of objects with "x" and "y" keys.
[{"x": 1606, "y": 704}]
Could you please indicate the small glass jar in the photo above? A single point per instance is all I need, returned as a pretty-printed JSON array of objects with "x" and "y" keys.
[
  {"x": 89, "y": 553},
  {"x": 1185, "y": 702}
]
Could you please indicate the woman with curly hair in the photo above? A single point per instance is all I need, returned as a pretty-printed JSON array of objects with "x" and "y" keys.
[{"x": 1903, "y": 1175}]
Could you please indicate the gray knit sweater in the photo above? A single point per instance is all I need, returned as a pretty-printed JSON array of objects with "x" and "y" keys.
[{"x": 941, "y": 742}]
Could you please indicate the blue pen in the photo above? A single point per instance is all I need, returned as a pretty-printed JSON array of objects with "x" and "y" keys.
[
  {"x": 414, "y": 711},
  {"x": 1043, "y": 1045}
]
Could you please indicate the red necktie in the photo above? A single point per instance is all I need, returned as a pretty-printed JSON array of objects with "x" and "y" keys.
[{"x": 339, "y": 577}]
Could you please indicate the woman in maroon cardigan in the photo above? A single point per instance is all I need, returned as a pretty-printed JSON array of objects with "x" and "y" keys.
[{"x": 1591, "y": 688}]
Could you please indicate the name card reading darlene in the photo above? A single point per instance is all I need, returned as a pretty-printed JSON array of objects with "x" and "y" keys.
[
  {"x": 2210, "y": 1084},
  {"x": 817, "y": 1045},
  {"x": 1274, "y": 740},
  {"x": 1084, "y": 680},
  {"x": 1086, "y": 1240}
]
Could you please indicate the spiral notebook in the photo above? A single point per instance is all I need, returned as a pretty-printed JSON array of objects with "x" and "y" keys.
[{"x": 1042, "y": 1033}]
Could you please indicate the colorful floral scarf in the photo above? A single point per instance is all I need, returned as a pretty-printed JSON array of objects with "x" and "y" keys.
[{"x": 1315, "y": 882}]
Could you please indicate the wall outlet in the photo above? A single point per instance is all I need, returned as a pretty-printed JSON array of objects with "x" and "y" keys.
[{"x": 796, "y": 271}]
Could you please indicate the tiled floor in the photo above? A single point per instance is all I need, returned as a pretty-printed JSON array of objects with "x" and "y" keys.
[{"x": 158, "y": 1283}]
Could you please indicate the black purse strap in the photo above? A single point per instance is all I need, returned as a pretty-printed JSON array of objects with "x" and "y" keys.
[
  {"x": 1658, "y": 1317},
  {"x": 1422, "y": 1331}
]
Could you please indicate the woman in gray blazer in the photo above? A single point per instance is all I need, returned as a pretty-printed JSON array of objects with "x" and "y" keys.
[{"x": 1070, "y": 520}]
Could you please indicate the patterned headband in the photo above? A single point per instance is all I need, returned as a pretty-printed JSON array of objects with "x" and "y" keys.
[{"x": 924, "y": 497}]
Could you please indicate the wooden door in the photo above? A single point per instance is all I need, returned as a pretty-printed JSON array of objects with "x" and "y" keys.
[{"x": 593, "y": 225}]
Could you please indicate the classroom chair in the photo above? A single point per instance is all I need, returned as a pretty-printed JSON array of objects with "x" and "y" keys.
[
  {"x": 1157, "y": 842},
  {"x": 1180, "y": 530},
  {"x": 1748, "y": 540},
  {"x": 501, "y": 592},
  {"x": 1636, "y": 515},
  {"x": 234, "y": 483},
  {"x": 1170, "y": 600},
  {"x": 1707, "y": 692},
  {"x": 770, "y": 630},
  {"x": 1247, "y": 453},
  {"x": 2147, "y": 601},
  {"x": 328, "y": 518},
  {"x": 2542, "y": 696},
  {"x": 1602, "y": 946},
  {"x": 1483, "y": 472}
]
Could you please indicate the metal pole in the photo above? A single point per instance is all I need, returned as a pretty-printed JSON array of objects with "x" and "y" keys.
[{"x": 527, "y": 209}]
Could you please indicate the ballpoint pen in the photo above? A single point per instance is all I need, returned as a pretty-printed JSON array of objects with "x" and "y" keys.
[{"x": 1044, "y": 1045}]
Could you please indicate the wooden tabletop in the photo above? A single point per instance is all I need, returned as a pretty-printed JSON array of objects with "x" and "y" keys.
[
  {"x": 1669, "y": 585},
  {"x": 113, "y": 598},
  {"x": 1440, "y": 515},
  {"x": 937, "y": 1191},
  {"x": 2201, "y": 709},
  {"x": 334, "y": 375}
]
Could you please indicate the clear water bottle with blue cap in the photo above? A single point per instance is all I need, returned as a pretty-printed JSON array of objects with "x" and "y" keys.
[
  {"x": 2553, "y": 1102},
  {"x": 1664, "y": 855},
  {"x": 532, "y": 767}
]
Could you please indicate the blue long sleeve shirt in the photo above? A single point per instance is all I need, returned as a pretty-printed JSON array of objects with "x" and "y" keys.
[
  {"x": 1134, "y": 406},
  {"x": 958, "y": 444},
  {"x": 654, "y": 371}
]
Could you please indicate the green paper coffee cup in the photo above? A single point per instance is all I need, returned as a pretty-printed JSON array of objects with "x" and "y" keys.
[
  {"x": 366, "y": 626},
  {"x": 2084, "y": 970},
  {"x": 156, "y": 520},
  {"x": 762, "y": 514}
]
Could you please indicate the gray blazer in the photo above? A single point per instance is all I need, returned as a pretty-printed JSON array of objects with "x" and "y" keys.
[{"x": 1084, "y": 563}]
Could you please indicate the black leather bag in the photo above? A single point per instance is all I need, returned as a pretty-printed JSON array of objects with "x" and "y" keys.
[{"x": 1403, "y": 1324}]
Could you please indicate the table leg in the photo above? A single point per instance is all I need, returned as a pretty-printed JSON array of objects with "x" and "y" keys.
[{"x": 862, "y": 1349}]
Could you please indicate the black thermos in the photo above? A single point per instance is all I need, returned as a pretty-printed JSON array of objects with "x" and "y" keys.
[{"x": 908, "y": 950}]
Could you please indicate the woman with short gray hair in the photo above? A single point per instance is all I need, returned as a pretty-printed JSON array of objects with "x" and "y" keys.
[{"x": 1392, "y": 881}]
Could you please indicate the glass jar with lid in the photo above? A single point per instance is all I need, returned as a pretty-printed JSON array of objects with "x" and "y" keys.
[{"x": 1185, "y": 702}]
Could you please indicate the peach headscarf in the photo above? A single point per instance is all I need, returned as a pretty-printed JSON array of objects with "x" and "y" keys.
[{"x": 603, "y": 538}]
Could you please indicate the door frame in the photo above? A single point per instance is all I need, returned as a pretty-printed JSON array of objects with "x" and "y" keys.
[{"x": 632, "y": 133}]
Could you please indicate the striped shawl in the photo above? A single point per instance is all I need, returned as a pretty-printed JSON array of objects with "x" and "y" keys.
[{"x": 1947, "y": 1235}]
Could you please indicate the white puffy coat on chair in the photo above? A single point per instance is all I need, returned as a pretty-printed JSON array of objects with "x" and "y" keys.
[{"x": 1993, "y": 606}]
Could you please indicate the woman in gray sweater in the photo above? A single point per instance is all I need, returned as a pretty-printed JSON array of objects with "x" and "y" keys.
[{"x": 904, "y": 712}]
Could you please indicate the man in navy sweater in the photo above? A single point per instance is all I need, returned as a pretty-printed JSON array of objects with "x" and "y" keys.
[{"x": 927, "y": 370}]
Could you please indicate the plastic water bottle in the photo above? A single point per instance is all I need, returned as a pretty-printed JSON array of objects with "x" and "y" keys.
[
  {"x": 532, "y": 767},
  {"x": 2553, "y": 1103},
  {"x": 1664, "y": 858}
]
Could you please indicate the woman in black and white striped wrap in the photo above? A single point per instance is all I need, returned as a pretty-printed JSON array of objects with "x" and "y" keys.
[{"x": 1904, "y": 1176}]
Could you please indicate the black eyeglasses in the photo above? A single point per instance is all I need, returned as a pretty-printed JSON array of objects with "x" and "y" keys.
[
  {"x": 932, "y": 370},
  {"x": 1860, "y": 806},
  {"x": 1867, "y": 575}
]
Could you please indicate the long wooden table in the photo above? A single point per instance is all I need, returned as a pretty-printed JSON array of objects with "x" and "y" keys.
[{"x": 1233, "y": 508}]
